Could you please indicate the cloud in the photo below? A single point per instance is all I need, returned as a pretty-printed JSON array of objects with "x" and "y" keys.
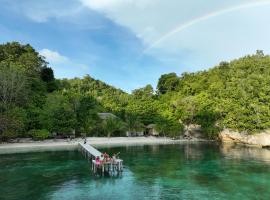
[
  {"x": 109, "y": 4},
  {"x": 194, "y": 33},
  {"x": 101, "y": 4},
  {"x": 185, "y": 34},
  {"x": 204, "y": 18},
  {"x": 53, "y": 56},
  {"x": 42, "y": 11},
  {"x": 153, "y": 20},
  {"x": 65, "y": 67}
]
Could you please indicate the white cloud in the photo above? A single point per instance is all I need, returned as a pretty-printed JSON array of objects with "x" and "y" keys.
[
  {"x": 205, "y": 32},
  {"x": 197, "y": 31},
  {"x": 53, "y": 56},
  {"x": 151, "y": 19},
  {"x": 206, "y": 17},
  {"x": 101, "y": 4},
  {"x": 42, "y": 11},
  {"x": 109, "y": 4},
  {"x": 65, "y": 67}
]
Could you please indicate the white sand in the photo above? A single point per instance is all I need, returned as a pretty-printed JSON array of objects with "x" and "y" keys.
[{"x": 65, "y": 144}]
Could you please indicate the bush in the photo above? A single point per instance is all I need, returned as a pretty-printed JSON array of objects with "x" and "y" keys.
[
  {"x": 39, "y": 134},
  {"x": 8, "y": 134}
]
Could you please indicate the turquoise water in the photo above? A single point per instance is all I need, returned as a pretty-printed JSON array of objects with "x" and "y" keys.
[{"x": 183, "y": 171}]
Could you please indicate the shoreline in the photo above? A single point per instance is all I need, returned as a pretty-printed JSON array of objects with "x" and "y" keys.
[{"x": 66, "y": 144}]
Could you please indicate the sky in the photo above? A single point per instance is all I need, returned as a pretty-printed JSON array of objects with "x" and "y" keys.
[{"x": 131, "y": 43}]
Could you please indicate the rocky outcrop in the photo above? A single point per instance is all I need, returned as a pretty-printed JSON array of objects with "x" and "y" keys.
[
  {"x": 260, "y": 139},
  {"x": 193, "y": 131}
]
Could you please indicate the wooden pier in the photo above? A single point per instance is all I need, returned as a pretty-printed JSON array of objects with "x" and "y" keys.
[{"x": 111, "y": 167}]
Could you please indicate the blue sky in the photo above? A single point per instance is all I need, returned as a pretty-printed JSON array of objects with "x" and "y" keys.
[{"x": 130, "y": 43}]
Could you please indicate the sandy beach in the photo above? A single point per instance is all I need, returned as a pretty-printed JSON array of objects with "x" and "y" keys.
[{"x": 65, "y": 144}]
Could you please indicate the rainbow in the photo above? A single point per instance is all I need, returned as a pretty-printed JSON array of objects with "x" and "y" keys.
[{"x": 203, "y": 18}]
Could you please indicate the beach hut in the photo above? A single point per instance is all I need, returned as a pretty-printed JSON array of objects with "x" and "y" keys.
[
  {"x": 151, "y": 130},
  {"x": 135, "y": 133}
]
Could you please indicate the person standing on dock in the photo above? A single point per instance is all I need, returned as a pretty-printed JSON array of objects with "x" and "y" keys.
[
  {"x": 98, "y": 161},
  {"x": 84, "y": 138},
  {"x": 106, "y": 157}
]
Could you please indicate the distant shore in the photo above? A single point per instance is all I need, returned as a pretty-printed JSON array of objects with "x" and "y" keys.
[{"x": 65, "y": 144}]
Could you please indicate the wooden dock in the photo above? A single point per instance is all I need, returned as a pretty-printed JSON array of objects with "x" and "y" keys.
[{"x": 111, "y": 167}]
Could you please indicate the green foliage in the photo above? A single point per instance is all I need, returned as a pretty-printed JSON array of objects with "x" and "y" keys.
[
  {"x": 39, "y": 134},
  {"x": 167, "y": 82},
  {"x": 86, "y": 112},
  {"x": 169, "y": 127},
  {"x": 113, "y": 125},
  {"x": 59, "y": 114},
  {"x": 47, "y": 76},
  {"x": 34, "y": 118},
  {"x": 143, "y": 93},
  {"x": 14, "y": 87},
  {"x": 231, "y": 95},
  {"x": 12, "y": 123},
  {"x": 133, "y": 123},
  {"x": 24, "y": 65},
  {"x": 111, "y": 99}
]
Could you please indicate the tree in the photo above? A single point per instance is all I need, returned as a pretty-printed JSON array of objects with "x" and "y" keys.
[
  {"x": 23, "y": 59},
  {"x": 112, "y": 125},
  {"x": 59, "y": 115},
  {"x": 86, "y": 113},
  {"x": 169, "y": 127},
  {"x": 133, "y": 123},
  {"x": 47, "y": 76},
  {"x": 12, "y": 123},
  {"x": 14, "y": 88},
  {"x": 145, "y": 92},
  {"x": 167, "y": 82},
  {"x": 187, "y": 109}
]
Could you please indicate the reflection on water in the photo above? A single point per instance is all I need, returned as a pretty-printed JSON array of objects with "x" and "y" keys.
[
  {"x": 250, "y": 153},
  {"x": 183, "y": 171}
]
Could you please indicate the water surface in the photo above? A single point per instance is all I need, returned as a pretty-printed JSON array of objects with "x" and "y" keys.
[{"x": 180, "y": 171}]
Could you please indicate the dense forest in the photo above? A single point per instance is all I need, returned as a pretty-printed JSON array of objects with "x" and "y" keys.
[{"x": 33, "y": 103}]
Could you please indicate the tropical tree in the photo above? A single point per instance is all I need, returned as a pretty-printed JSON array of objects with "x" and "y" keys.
[
  {"x": 14, "y": 87},
  {"x": 167, "y": 82},
  {"x": 112, "y": 125},
  {"x": 133, "y": 123}
]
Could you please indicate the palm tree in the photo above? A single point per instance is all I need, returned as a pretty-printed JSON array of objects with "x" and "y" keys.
[
  {"x": 133, "y": 123},
  {"x": 112, "y": 125}
]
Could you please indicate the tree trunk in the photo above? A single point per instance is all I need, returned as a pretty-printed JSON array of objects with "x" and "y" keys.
[{"x": 109, "y": 134}]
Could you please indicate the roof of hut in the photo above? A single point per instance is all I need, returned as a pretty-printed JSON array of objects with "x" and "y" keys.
[
  {"x": 151, "y": 126},
  {"x": 106, "y": 115}
]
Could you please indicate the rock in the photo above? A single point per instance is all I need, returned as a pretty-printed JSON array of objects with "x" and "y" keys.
[
  {"x": 260, "y": 139},
  {"x": 193, "y": 130}
]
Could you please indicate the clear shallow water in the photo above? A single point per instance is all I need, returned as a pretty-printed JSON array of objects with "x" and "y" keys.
[{"x": 185, "y": 171}]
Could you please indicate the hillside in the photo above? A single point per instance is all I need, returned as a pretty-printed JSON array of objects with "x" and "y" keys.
[{"x": 233, "y": 95}]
